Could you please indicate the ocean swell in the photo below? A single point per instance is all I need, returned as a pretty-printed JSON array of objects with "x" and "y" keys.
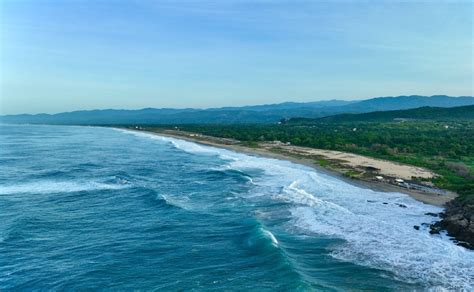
[{"x": 377, "y": 228}]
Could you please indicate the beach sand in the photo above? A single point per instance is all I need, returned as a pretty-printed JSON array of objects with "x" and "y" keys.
[{"x": 339, "y": 165}]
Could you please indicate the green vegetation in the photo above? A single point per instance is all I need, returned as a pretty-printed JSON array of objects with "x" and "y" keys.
[
  {"x": 447, "y": 148},
  {"x": 323, "y": 162},
  {"x": 250, "y": 143},
  {"x": 422, "y": 113},
  {"x": 352, "y": 174}
]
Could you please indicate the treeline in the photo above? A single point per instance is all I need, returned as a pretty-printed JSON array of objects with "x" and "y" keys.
[{"x": 445, "y": 147}]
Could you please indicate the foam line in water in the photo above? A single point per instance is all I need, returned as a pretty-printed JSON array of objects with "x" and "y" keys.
[
  {"x": 43, "y": 187},
  {"x": 186, "y": 146}
]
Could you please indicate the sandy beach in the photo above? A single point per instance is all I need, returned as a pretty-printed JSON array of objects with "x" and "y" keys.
[{"x": 362, "y": 171}]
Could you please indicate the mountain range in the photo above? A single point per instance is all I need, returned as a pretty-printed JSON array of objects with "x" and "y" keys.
[{"x": 270, "y": 113}]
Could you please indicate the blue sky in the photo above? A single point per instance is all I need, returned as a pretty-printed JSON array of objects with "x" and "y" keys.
[{"x": 68, "y": 55}]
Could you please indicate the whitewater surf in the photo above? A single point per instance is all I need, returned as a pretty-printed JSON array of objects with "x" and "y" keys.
[{"x": 86, "y": 207}]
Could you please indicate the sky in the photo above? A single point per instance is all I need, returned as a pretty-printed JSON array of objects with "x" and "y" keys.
[{"x": 60, "y": 56}]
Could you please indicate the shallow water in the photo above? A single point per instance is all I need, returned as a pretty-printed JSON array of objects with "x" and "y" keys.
[{"x": 85, "y": 208}]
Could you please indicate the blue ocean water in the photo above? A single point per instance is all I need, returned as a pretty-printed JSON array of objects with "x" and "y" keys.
[{"x": 89, "y": 208}]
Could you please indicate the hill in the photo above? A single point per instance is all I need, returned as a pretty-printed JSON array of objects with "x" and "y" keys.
[
  {"x": 422, "y": 113},
  {"x": 238, "y": 115}
]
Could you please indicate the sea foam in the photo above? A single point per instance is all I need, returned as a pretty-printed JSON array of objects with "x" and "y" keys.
[
  {"x": 377, "y": 228},
  {"x": 50, "y": 186},
  {"x": 186, "y": 146}
]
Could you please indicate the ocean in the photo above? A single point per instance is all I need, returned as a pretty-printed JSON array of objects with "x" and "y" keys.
[{"x": 101, "y": 208}]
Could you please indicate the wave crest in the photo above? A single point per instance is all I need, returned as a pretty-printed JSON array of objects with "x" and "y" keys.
[{"x": 49, "y": 186}]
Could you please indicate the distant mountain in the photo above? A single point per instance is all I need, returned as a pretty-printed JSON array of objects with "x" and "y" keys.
[
  {"x": 290, "y": 105},
  {"x": 422, "y": 113},
  {"x": 412, "y": 101},
  {"x": 247, "y": 114}
]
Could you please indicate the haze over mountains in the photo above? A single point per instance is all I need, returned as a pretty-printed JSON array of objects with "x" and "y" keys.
[{"x": 245, "y": 114}]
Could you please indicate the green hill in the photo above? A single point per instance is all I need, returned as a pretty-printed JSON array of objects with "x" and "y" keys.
[{"x": 422, "y": 113}]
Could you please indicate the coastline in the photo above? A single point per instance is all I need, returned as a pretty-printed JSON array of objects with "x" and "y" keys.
[{"x": 427, "y": 197}]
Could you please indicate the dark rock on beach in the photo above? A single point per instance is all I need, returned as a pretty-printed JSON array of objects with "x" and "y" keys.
[
  {"x": 458, "y": 221},
  {"x": 432, "y": 214},
  {"x": 436, "y": 228}
]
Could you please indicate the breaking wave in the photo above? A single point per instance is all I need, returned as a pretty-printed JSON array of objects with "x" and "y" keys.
[
  {"x": 377, "y": 227},
  {"x": 374, "y": 229},
  {"x": 47, "y": 186}
]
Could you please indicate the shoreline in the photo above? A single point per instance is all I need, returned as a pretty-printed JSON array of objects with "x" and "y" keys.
[{"x": 432, "y": 198}]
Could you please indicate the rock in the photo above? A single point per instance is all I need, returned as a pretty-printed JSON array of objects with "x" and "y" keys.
[
  {"x": 435, "y": 228},
  {"x": 453, "y": 228},
  {"x": 457, "y": 221},
  {"x": 434, "y": 231},
  {"x": 416, "y": 227},
  {"x": 401, "y": 205},
  {"x": 455, "y": 217},
  {"x": 464, "y": 244},
  {"x": 432, "y": 214},
  {"x": 463, "y": 224},
  {"x": 372, "y": 169}
]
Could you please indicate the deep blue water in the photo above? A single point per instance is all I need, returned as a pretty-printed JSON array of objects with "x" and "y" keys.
[{"x": 90, "y": 208}]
